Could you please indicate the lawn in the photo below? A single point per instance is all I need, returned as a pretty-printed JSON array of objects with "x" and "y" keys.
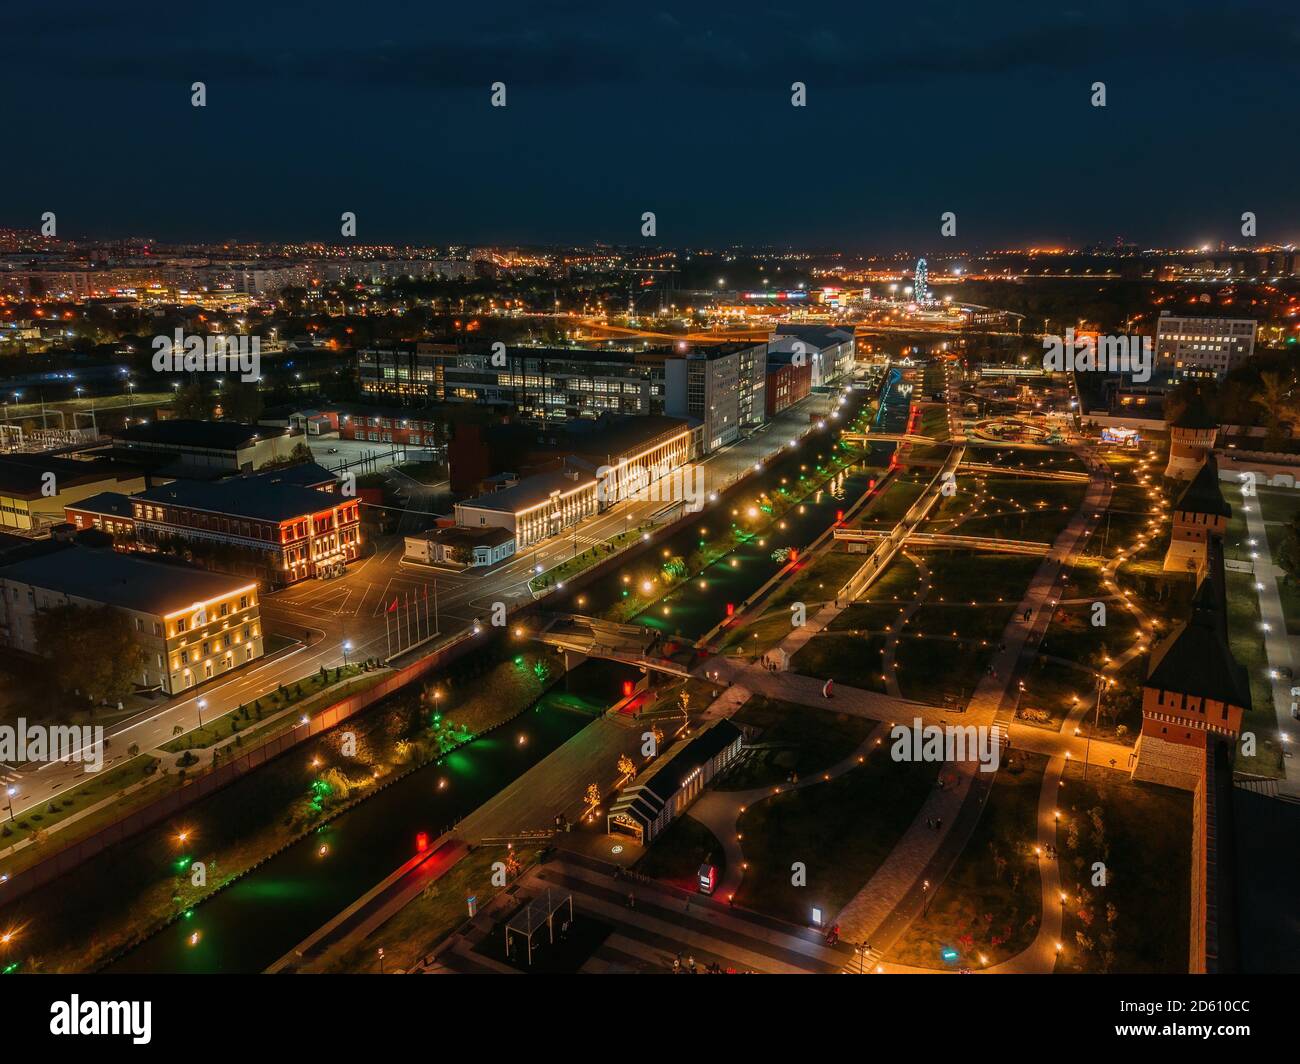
[
  {"x": 1142, "y": 833},
  {"x": 847, "y": 659},
  {"x": 841, "y": 832},
  {"x": 990, "y": 905},
  {"x": 676, "y": 855},
  {"x": 791, "y": 739},
  {"x": 930, "y": 670}
]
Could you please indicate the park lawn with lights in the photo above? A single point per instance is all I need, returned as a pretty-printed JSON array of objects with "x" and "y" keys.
[
  {"x": 960, "y": 621},
  {"x": 790, "y": 738},
  {"x": 418, "y": 927},
  {"x": 134, "y": 888},
  {"x": 989, "y": 907},
  {"x": 1016, "y": 458},
  {"x": 854, "y": 660},
  {"x": 1145, "y": 838},
  {"x": 889, "y": 506},
  {"x": 813, "y": 585},
  {"x": 1276, "y": 508},
  {"x": 305, "y": 696},
  {"x": 842, "y": 831},
  {"x": 755, "y": 521},
  {"x": 1247, "y": 643},
  {"x": 985, "y": 578},
  {"x": 676, "y": 855},
  {"x": 1050, "y": 690},
  {"x": 1073, "y": 635},
  {"x": 928, "y": 670}
]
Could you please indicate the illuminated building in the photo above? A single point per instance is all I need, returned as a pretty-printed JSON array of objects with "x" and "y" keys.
[
  {"x": 829, "y": 349},
  {"x": 192, "y": 625},
  {"x": 1203, "y": 347},
  {"x": 536, "y": 507},
  {"x": 660, "y": 794},
  {"x": 268, "y": 526}
]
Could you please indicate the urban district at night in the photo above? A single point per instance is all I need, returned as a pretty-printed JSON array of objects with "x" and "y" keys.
[{"x": 572, "y": 490}]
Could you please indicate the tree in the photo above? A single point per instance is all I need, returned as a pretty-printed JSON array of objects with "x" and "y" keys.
[
  {"x": 191, "y": 403},
  {"x": 92, "y": 650}
]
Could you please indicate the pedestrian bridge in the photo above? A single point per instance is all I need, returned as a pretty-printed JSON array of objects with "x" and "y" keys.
[
  {"x": 1020, "y": 471},
  {"x": 862, "y": 438},
  {"x": 937, "y": 541},
  {"x": 580, "y": 636}
]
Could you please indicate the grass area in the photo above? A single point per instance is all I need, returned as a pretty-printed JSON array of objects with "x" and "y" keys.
[
  {"x": 791, "y": 740},
  {"x": 1143, "y": 835},
  {"x": 930, "y": 670},
  {"x": 891, "y": 504},
  {"x": 1247, "y": 644},
  {"x": 676, "y": 855},
  {"x": 418, "y": 927},
  {"x": 302, "y": 693},
  {"x": 841, "y": 831},
  {"x": 990, "y": 906},
  {"x": 814, "y": 585},
  {"x": 844, "y": 658}
]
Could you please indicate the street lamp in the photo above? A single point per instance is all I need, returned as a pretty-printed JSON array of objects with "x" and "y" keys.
[
  {"x": 11, "y": 791},
  {"x": 202, "y": 705},
  {"x": 347, "y": 645}
]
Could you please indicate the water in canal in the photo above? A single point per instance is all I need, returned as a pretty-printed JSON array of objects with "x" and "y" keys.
[
  {"x": 694, "y": 606},
  {"x": 262, "y": 916},
  {"x": 259, "y": 918}
]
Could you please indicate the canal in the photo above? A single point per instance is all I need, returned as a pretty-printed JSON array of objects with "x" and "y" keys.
[{"x": 267, "y": 912}]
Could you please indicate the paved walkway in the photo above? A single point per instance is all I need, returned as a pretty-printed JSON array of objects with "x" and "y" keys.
[
  {"x": 664, "y": 925},
  {"x": 1277, "y": 643}
]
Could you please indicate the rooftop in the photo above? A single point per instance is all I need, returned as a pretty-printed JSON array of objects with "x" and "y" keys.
[
  {"x": 207, "y": 435},
  {"x": 121, "y": 579},
  {"x": 534, "y": 490},
  {"x": 1203, "y": 494},
  {"x": 275, "y": 495}
]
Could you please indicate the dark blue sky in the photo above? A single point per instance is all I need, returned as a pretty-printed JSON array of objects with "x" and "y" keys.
[{"x": 684, "y": 109}]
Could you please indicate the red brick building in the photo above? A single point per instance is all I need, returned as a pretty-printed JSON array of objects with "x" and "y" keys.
[{"x": 787, "y": 382}]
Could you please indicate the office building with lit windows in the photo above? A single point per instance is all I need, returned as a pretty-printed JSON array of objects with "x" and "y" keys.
[
  {"x": 1203, "y": 347},
  {"x": 192, "y": 625}
]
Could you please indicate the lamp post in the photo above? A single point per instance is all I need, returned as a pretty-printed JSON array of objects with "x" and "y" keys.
[
  {"x": 347, "y": 645},
  {"x": 11, "y": 791},
  {"x": 1096, "y": 717},
  {"x": 202, "y": 705}
]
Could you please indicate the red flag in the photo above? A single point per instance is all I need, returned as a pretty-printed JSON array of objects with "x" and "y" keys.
[{"x": 393, "y": 606}]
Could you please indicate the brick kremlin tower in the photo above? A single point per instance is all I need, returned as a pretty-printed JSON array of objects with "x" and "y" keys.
[
  {"x": 1191, "y": 438},
  {"x": 1200, "y": 514},
  {"x": 1195, "y": 693}
]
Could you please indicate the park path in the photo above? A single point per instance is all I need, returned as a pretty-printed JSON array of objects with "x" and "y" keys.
[
  {"x": 720, "y": 811},
  {"x": 1277, "y": 641}
]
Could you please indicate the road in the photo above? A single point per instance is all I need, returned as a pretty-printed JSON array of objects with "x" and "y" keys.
[{"x": 324, "y": 615}]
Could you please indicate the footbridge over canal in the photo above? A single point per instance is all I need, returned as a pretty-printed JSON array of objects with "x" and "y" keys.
[{"x": 582, "y": 637}]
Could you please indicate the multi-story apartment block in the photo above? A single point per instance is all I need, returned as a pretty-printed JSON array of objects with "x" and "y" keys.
[
  {"x": 192, "y": 625},
  {"x": 1203, "y": 347}
]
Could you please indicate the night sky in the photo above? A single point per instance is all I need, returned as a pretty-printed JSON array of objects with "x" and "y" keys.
[{"x": 617, "y": 108}]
